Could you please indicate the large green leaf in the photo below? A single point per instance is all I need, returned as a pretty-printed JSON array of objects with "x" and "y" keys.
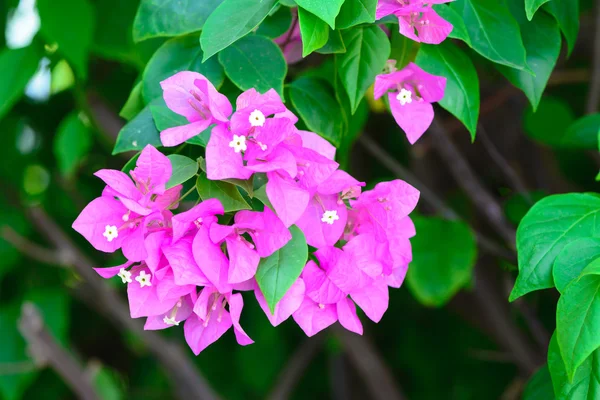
[
  {"x": 326, "y": 10},
  {"x": 255, "y": 62},
  {"x": 184, "y": 168},
  {"x": 276, "y": 24},
  {"x": 493, "y": 31},
  {"x": 585, "y": 383},
  {"x": 134, "y": 103},
  {"x": 156, "y": 18},
  {"x": 70, "y": 25},
  {"x": 566, "y": 13},
  {"x": 461, "y": 97},
  {"x": 138, "y": 132},
  {"x": 318, "y": 108},
  {"x": 578, "y": 318},
  {"x": 72, "y": 143},
  {"x": 550, "y": 122},
  {"x": 539, "y": 386},
  {"x": 277, "y": 273},
  {"x": 459, "y": 29},
  {"x": 573, "y": 259},
  {"x": 314, "y": 31},
  {"x": 541, "y": 38},
  {"x": 438, "y": 272},
  {"x": 367, "y": 50},
  {"x": 232, "y": 20},
  {"x": 531, "y": 6},
  {"x": 17, "y": 67},
  {"x": 175, "y": 55},
  {"x": 583, "y": 133},
  {"x": 550, "y": 225},
  {"x": 227, "y": 193},
  {"x": 355, "y": 12}
]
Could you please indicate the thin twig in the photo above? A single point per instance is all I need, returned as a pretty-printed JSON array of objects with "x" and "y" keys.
[
  {"x": 32, "y": 250},
  {"x": 45, "y": 351},
  {"x": 593, "y": 99}
]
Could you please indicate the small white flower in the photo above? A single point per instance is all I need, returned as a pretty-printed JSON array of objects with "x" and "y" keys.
[
  {"x": 126, "y": 217},
  {"x": 124, "y": 275},
  {"x": 330, "y": 217},
  {"x": 238, "y": 143},
  {"x": 257, "y": 118},
  {"x": 170, "y": 321},
  {"x": 144, "y": 279},
  {"x": 404, "y": 97},
  {"x": 110, "y": 232}
]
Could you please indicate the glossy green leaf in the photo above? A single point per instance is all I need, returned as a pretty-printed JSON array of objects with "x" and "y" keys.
[
  {"x": 241, "y": 15},
  {"x": 318, "y": 108},
  {"x": 17, "y": 67},
  {"x": 539, "y": 386},
  {"x": 367, "y": 50},
  {"x": 355, "y": 12},
  {"x": 459, "y": 29},
  {"x": 326, "y": 10},
  {"x": 578, "y": 318},
  {"x": 157, "y": 18},
  {"x": 226, "y": 193},
  {"x": 438, "y": 272},
  {"x": 493, "y": 31},
  {"x": 517, "y": 206},
  {"x": 255, "y": 62},
  {"x": 176, "y": 55},
  {"x": 566, "y": 13},
  {"x": 72, "y": 143},
  {"x": 277, "y": 273},
  {"x": 583, "y": 133},
  {"x": 573, "y": 259},
  {"x": 541, "y": 38},
  {"x": 548, "y": 227},
  {"x": 164, "y": 117},
  {"x": 276, "y": 24},
  {"x": 134, "y": 103},
  {"x": 585, "y": 383},
  {"x": 403, "y": 50},
  {"x": 314, "y": 31},
  {"x": 531, "y": 7},
  {"x": 461, "y": 97},
  {"x": 137, "y": 133},
  {"x": 335, "y": 44},
  {"x": 75, "y": 41},
  {"x": 184, "y": 168}
]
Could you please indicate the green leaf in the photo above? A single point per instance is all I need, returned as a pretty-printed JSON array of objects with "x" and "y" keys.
[
  {"x": 550, "y": 225},
  {"x": 573, "y": 259},
  {"x": 550, "y": 122},
  {"x": 314, "y": 31},
  {"x": 277, "y": 273},
  {"x": 184, "y": 168},
  {"x": 276, "y": 24},
  {"x": 335, "y": 44},
  {"x": 541, "y": 38},
  {"x": 176, "y": 55},
  {"x": 137, "y": 133},
  {"x": 62, "y": 77},
  {"x": 72, "y": 143},
  {"x": 157, "y": 18},
  {"x": 459, "y": 29},
  {"x": 113, "y": 37},
  {"x": 461, "y": 98},
  {"x": 519, "y": 204},
  {"x": 241, "y": 15},
  {"x": 585, "y": 384},
  {"x": 367, "y": 50},
  {"x": 106, "y": 382},
  {"x": 129, "y": 165},
  {"x": 493, "y": 31},
  {"x": 318, "y": 108},
  {"x": 539, "y": 386},
  {"x": 439, "y": 271},
  {"x": 583, "y": 133},
  {"x": 578, "y": 318},
  {"x": 17, "y": 67},
  {"x": 326, "y": 10},
  {"x": 566, "y": 13},
  {"x": 225, "y": 192},
  {"x": 255, "y": 62},
  {"x": 134, "y": 103},
  {"x": 73, "y": 42},
  {"x": 164, "y": 117},
  {"x": 531, "y": 6},
  {"x": 355, "y": 12},
  {"x": 403, "y": 50}
]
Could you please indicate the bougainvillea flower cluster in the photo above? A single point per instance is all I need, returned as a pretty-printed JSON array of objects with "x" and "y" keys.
[{"x": 191, "y": 265}]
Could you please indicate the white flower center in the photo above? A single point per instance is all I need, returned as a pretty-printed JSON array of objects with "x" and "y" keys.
[
  {"x": 144, "y": 279},
  {"x": 110, "y": 232},
  {"x": 404, "y": 97},
  {"x": 170, "y": 321},
  {"x": 124, "y": 275},
  {"x": 329, "y": 217},
  {"x": 238, "y": 143},
  {"x": 257, "y": 118}
]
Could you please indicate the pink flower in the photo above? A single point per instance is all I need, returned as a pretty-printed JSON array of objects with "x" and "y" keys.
[
  {"x": 411, "y": 92},
  {"x": 191, "y": 95},
  {"x": 286, "y": 306},
  {"x": 291, "y": 41},
  {"x": 253, "y": 109},
  {"x": 416, "y": 19}
]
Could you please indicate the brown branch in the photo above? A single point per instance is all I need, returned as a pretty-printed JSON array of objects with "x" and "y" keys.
[
  {"x": 32, "y": 250},
  {"x": 45, "y": 351}
]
